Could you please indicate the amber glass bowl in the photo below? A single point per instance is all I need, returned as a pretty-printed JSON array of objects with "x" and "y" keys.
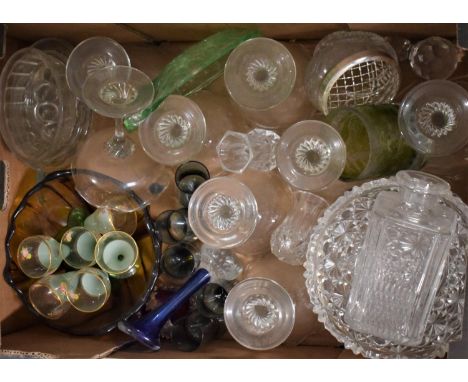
[{"x": 44, "y": 210}]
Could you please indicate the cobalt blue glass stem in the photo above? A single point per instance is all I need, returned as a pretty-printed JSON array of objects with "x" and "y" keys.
[{"x": 147, "y": 328}]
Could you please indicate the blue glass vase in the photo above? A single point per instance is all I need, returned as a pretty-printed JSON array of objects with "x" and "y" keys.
[{"x": 147, "y": 328}]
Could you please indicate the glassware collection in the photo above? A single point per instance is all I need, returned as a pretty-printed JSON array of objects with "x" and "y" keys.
[{"x": 246, "y": 175}]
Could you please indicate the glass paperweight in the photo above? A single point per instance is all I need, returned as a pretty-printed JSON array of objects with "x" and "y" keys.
[
  {"x": 221, "y": 263},
  {"x": 352, "y": 68},
  {"x": 77, "y": 247},
  {"x": 43, "y": 123},
  {"x": 115, "y": 92},
  {"x": 334, "y": 247},
  {"x": 289, "y": 241},
  {"x": 256, "y": 150},
  {"x": 38, "y": 256},
  {"x": 88, "y": 289},
  {"x": 180, "y": 260},
  {"x": 193, "y": 70},
  {"x": 174, "y": 227},
  {"x": 435, "y": 58},
  {"x": 223, "y": 212},
  {"x": 374, "y": 144},
  {"x": 265, "y": 79},
  {"x": 105, "y": 220},
  {"x": 48, "y": 296},
  {"x": 90, "y": 55},
  {"x": 117, "y": 254},
  {"x": 259, "y": 313},
  {"x": 311, "y": 155},
  {"x": 433, "y": 117},
  {"x": 174, "y": 132},
  {"x": 398, "y": 270}
]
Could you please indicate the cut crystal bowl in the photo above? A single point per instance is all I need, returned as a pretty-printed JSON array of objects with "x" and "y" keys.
[{"x": 334, "y": 245}]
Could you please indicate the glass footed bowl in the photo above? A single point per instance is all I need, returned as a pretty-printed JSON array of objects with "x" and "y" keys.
[
  {"x": 42, "y": 121},
  {"x": 44, "y": 210},
  {"x": 334, "y": 245}
]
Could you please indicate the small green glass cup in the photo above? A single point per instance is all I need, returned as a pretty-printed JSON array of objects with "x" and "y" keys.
[
  {"x": 77, "y": 247},
  {"x": 105, "y": 220},
  {"x": 374, "y": 144},
  {"x": 38, "y": 256},
  {"x": 117, "y": 254}
]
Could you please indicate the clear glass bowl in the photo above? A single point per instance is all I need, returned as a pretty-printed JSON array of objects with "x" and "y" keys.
[
  {"x": 259, "y": 313},
  {"x": 433, "y": 117},
  {"x": 90, "y": 55},
  {"x": 311, "y": 155},
  {"x": 352, "y": 68},
  {"x": 43, "y": 122},
  {"x": 333, "y": 248}
]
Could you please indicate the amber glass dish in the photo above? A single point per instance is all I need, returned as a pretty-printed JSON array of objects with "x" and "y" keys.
[{"x": 44, "y": 210}]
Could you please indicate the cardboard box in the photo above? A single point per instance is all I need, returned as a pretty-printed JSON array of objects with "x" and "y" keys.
[{"x": 151, "y": 46}]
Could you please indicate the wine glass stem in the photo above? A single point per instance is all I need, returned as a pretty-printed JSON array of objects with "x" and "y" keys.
[{"x": 120, "y": 146}]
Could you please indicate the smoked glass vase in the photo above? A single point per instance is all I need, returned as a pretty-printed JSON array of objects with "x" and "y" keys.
[
  {"x": 289, "y": 241},
  {"x": 399, "y": 268},
  {"x": 265, "y": 79}
]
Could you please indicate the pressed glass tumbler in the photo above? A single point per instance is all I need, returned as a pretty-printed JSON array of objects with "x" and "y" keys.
[{"x": 38, "y": 256}]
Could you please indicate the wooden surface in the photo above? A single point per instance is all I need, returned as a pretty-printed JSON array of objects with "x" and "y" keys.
[{"x": 132, "y": 33}]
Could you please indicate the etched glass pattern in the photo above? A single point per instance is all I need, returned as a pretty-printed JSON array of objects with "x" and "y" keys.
[{"x": 334, "y": 245}]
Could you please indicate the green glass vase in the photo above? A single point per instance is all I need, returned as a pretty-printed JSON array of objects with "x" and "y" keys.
[
  {"x": 193, "y": 70},
  {"x": 374, "y": 144}
]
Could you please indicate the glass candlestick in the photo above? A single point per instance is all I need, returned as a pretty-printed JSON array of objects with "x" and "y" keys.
[
  {"x": 435, "y": 58},
  {"x": 239, "y": 210},
  {"x": 185, "y": 128},
  {"x": 117, "y": 254},
  {"x": 433, "y": 117},
  {"x": 399, "y": 268},
  {"x": 116, "y": 92},
  {"x": 266, "y": 81},
  {"x": 290, "y": 240},
  {"x": 38, "y": 256},
  {"x": 311, "y": 155},
  {"x": 259, "y": 313},
  {"x": 256, "y": 150}
]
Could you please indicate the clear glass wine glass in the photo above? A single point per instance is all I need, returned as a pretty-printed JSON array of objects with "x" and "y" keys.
[
  {"x": 90, "y": 55},
  {"x": 116, "y": 92}
]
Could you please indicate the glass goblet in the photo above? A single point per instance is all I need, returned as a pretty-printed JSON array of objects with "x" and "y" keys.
[
  {"x": 90, "y": 55},
  {"x": 116, "y": 92}
]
